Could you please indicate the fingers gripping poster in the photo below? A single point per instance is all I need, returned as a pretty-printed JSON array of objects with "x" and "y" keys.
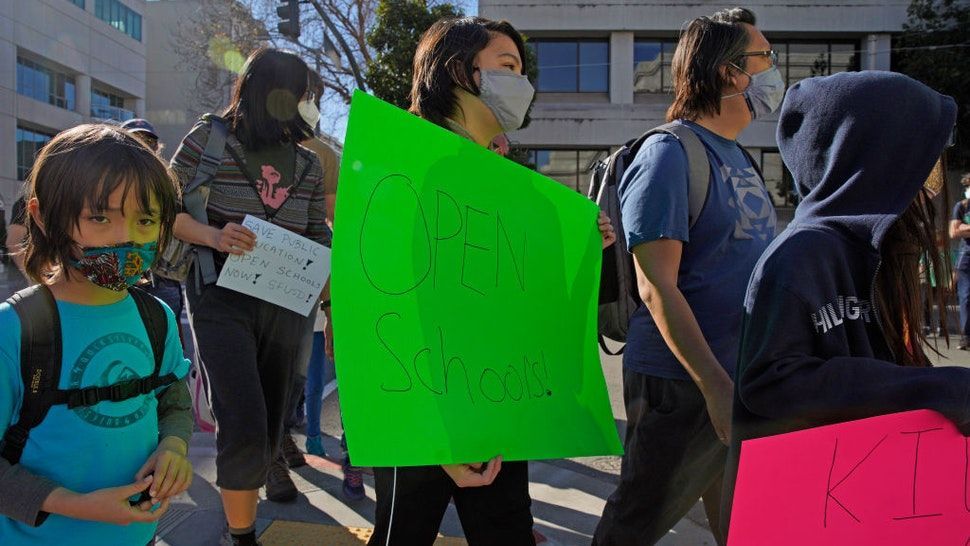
[{"x": 464, "y": 302}]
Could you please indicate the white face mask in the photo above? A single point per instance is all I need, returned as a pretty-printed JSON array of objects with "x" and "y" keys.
[
  {"x": 309, "y": 112},
  {"x": 966, "y": 193},
  {"x": 765, "y": 92},
  {"x": 508, "y": 96}
]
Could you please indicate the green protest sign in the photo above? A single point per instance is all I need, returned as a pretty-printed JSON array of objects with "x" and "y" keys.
[{"x": 464, "y": 292}]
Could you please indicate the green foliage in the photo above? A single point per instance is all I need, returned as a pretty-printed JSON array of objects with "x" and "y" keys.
[
  {"x": 941, "y": 31},
  {"x": 394, "y": 38}
]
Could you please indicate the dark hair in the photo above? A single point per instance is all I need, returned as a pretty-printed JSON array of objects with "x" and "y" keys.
[
  {"x": 263, "y": 110},
  {"x": 735, "y": 15},
  {"x": 913, "y": 237},
  {"x": 444, "y": 60},
  {"x": 705, "y": 45},
  {"x": 79, "y": 168}
]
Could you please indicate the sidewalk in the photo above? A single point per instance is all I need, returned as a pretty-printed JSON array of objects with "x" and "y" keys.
[{"x": 567, "y": 502}]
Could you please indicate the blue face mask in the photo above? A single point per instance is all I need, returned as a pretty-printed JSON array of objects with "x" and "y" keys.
[
  {"x": 765, "y": 92},
  {"x": 116, "y": 267}
]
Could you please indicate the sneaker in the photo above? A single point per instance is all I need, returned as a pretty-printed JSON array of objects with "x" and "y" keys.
[
  {"x": 279, "y": 485},
  {"x": 353, "y": 482},
  {"x": 228, "y": 540},
  {"x": 294, "y": 457},
  {"x": 314, "y": 446}
]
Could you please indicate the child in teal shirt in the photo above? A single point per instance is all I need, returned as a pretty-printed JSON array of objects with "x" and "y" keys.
[{"x": 100, "y": 205}]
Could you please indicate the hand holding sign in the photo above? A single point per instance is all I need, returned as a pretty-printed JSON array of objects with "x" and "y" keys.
[
  {"x": 234, "y": 239},
  {"x": 283, "y": 268}
]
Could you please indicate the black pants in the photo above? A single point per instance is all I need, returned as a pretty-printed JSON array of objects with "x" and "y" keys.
[
  {"x": 498, "y": 514},
  {"x": 672, "y": 457},
  {"x": 249, "y": 349}
]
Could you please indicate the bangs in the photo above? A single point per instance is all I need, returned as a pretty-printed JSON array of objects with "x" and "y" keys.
[
  {"x": 80, "y": 168},
  {"x": 147, "y": 183}
]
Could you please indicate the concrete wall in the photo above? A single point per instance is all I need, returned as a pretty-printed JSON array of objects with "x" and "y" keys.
[
  {"x": 801, "y": 16},
  {"x": 61, "y": 33},
  {"x": 169, "y": 104},
  {"x": 593, "y": 121}
]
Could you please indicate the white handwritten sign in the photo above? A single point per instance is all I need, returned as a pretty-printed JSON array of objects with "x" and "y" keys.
[{"x": 285, "y": 268}]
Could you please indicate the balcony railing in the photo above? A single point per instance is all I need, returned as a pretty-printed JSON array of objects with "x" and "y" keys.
[{"x": 111, "y": 112}]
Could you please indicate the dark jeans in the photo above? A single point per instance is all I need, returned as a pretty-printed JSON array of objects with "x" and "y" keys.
[
  {"x": 963, "y": 291},
  {"x": 498, "y": 514},
  {"x": 672, "y": 457},
  {"x": 249, "y": 349}
]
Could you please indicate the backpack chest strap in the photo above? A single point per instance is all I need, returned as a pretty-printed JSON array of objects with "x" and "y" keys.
[{"x": 118, "y": 392}]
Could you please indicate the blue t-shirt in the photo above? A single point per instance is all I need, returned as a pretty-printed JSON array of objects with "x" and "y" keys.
[
  {"x": 735, "y": 226},
  {"x": 88, "y": 448},
  {"x": 961, "y": 212}
]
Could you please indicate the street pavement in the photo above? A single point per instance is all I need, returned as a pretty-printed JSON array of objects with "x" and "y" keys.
[{"x": 568, "y": 495}]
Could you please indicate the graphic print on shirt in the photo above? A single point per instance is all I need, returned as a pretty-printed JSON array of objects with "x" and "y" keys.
[
  {"x": 106, "y": 361},
  {"x": 752, "y": 203},
  {"x": 269, "y": 188}
]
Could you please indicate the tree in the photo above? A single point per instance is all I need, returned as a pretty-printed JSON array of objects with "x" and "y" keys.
[
  {"x": 214, "y": 44},
  {"x": 934, "y": 48},
  {"x": 394, "y": 38}
]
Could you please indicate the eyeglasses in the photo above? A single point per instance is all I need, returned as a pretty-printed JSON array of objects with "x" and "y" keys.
[{"x": 771, "y": 54}]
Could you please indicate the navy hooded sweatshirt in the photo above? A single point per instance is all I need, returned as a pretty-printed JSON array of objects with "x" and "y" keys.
[{"x": 859, "y": 145}]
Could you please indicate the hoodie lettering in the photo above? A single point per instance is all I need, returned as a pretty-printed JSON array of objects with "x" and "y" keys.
[{"x": 842, "y": 309}]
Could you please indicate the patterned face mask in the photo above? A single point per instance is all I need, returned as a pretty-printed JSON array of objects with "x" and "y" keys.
[{"x": 117, "y": 267}]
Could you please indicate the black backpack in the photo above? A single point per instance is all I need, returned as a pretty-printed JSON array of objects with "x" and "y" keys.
[
  {"x": 40, "y": 363},
  {"x": 619, "y": 296}
]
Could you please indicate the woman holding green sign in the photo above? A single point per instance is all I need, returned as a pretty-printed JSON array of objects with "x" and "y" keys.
[{"x": 468, "y": 78}]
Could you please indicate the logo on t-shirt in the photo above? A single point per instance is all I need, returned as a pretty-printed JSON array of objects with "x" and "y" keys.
[
  {"x": 111, "y": 359},
  {"x": 269, "y": 187},
  {"x": 752, "y": 203}
]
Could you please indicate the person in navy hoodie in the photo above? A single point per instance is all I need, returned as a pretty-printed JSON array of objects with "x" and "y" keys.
[{"x": 833, "y": 329}]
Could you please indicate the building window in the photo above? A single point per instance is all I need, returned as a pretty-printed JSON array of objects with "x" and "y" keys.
[
  {"x": 45, "y": 84},
  {"x": 573, "y": 66},
  {"x": 800, "y": 60},
  {"x": 778, "y": 180},
  {"x": 29, "y": 142},
  {"x": 78, "y": 3},
  {"x": 107, "y": 105},
  {"x": 651, "y": 66},
  {"x": 119, "y": 16},
  {"x": 570, "y": 167}
]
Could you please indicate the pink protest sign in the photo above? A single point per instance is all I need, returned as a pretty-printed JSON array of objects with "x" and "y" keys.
[{"x": 899, "y": 479}]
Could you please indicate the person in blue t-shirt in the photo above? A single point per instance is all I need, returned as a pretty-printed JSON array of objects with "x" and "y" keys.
[
  {"x": 960, "y": 230},
  {"x": 99, "y": 206},
  {"x": 682, "y": 344}
]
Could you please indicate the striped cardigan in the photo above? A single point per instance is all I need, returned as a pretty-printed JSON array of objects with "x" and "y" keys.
[{"x": 232, "y": 195}]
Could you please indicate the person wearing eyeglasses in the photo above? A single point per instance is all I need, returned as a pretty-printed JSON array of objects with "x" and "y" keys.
[{"x": 682, "y": 344}]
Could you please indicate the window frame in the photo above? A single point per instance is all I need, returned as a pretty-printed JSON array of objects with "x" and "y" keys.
[
  {"x": 535, "y": 43},
  {"x": 22, "y": 168},
  {"x": 45, "y": 83},
  {"x": 664, "y": 64},
  {"x": 601, "y": 152}
]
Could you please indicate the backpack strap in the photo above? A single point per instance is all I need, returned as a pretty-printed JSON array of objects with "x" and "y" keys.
[
  {"x": 698, "y": 166},
  {"x": 40, "y": 364},
  {"x": 195, "y": 201},
  {"x": 156, "y": 323},
  {"x": 156, "y": 326}
]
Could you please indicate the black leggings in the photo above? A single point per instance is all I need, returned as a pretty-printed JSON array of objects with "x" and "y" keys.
[
  {"x": 496, "y": 514},
  {"x": 249, "y": 349}
]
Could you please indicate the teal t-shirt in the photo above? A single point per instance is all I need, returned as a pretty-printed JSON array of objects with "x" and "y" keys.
[{"x": 88, "y": 448}]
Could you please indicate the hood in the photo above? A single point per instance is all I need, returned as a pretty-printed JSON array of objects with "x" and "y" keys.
[{"x": 860, "y": 145}]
